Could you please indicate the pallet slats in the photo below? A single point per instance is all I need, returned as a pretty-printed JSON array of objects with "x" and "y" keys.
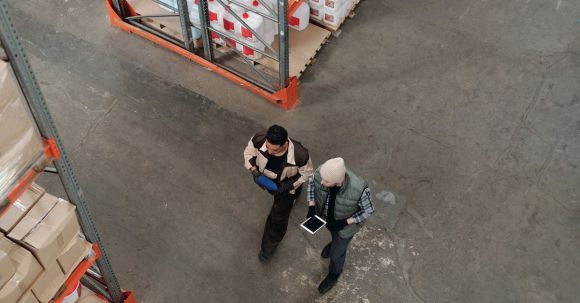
[{"x": 304, "y": 45}]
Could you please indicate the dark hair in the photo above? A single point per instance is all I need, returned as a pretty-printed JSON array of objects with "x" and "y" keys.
[{"x": 277, "y": 135}]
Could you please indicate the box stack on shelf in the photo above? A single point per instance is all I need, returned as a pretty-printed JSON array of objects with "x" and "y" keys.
[
  {"x": 44, "y": 246},
  {"x": 42, "y": 236},
  {"x": 22, "y": 152},
  {"x": 41, "y": 243}
]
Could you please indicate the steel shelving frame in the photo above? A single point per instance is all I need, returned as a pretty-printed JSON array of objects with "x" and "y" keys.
[
  {"x": 282, "y": 91},
  {"x": 102, "y": 278}
]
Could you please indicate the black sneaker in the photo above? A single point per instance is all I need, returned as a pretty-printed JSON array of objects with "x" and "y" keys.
[
  {"x": 263, "y": 257},
  {"x": 328, "y": 283},
  {"x": 325, "y": 254}
]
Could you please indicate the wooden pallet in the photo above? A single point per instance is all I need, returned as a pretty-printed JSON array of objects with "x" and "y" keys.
[
  {"x": 336, "y": 29},
  {"x": 304, "y": 45}
]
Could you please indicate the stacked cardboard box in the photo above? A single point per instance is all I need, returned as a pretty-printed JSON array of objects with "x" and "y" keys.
[
  {"x": 20, "y": 271},
  {"x": 41, "y": 245},
  {"x": 20, "y": 143},
  {"x": 20, "y": 208}
]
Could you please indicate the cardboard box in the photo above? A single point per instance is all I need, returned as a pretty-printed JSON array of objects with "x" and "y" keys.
[
  {"x": 7, "y": 266},
  {"x": 49, "y": 283},
  {"x": 20, "y": 208},
  {"x": 28, "y": 298},
  {"x": 33, "y": 217},
  {"x": 27, "y": 271},
  {"x": 7, "y": 269},
  {"x": 47, "y": 228},
  {"x": 77, "y": 250},
  {"x": 49, "y": 239},
  {"x": 20, "y": 143},
  {"x": 6, "y": 245}
]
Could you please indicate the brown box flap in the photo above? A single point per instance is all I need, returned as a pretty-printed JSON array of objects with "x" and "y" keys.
[{"x": 20, "y": 207}]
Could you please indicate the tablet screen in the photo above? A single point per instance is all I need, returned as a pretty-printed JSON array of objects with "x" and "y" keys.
[{"x": 313, "y": 224}]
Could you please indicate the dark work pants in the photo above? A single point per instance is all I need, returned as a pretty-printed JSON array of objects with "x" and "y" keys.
[
  {"x": 277, "y": 222},
  {"x": 337, "y": 252}
]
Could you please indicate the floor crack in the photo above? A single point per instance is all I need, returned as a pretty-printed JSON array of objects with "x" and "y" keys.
[
  {"x": 94, "y": 126},
  {"x": 406, "y": 267},
  {"x": 523, "y": 119}
]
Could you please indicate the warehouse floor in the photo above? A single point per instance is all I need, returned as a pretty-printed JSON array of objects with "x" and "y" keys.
[{"x": 470, "y": 109}]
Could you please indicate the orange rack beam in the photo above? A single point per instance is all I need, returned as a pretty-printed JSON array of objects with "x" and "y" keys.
[
  {"x": 73, "y": 280},
  {"x": 129, "y": 297},
  {"x": 287, "y": 97}
]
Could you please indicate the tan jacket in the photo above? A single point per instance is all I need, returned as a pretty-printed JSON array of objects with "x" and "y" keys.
[{"x": 297, "y": 169}]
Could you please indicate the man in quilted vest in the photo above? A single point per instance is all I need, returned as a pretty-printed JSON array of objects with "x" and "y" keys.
[
  {"x": 344, "y": 200},
  {"x": 287, "y": 163}
]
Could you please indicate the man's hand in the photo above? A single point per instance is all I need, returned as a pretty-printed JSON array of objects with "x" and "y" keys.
[
  {"x": 283, "y": 187},
  {"x": 336, "y": 225},
  {"x": 286, "y": 186},
  {"x": 311, "y": 211},
  {"x": 256, "y": 173}
]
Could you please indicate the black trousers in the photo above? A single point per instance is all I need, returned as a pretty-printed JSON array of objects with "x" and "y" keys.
[
  {"x": 277, "y": 222},
  {"x": 338, "y": 248}
]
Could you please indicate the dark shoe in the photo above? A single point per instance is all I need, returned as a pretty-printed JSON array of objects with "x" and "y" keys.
[
  {"x": 325, "y": 254},
  {"x": 328, "y": 283},
  {"x": 263, "y": 257}
]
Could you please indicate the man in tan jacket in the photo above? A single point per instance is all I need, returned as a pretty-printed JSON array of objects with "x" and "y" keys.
[{"x": 287, "y": 163}]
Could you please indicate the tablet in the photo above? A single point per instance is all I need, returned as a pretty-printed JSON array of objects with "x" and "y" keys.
[{"x": 313, "y": 224}]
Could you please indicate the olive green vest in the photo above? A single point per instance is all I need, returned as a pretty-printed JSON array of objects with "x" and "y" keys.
[{"x": 346, "y": 203}]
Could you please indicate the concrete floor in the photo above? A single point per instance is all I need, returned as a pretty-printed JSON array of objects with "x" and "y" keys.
[{"x": 468, "y": 108}]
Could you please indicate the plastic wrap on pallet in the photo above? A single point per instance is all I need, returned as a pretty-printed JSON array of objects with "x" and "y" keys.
[
  {"x": 168, "y": 3},
  {"x": 335, "y": 11},
  {"x": 20, "y": 143}
]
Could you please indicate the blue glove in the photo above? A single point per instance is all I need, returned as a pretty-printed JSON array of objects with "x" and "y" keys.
[{"x": 266, "y": 183}]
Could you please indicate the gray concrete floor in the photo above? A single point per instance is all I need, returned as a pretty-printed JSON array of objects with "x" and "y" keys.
[{"x": 468, "y": 108}]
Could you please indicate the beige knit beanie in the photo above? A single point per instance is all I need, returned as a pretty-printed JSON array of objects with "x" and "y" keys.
[{"x": 333, "y": 170}]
